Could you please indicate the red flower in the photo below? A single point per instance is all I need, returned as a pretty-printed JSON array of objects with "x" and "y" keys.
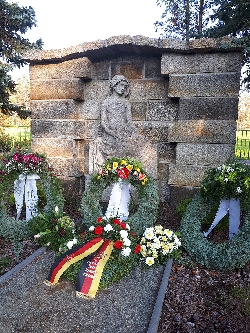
[
  {"x": 123, "y": 225},
  {"x": 123, "y": 173},
  {"x": 141, "y": 176},
  {"x": 116, "y": 221},
  {"x": 118, "y": 244},
  {"x": 98, "y": 230},
  {"x": 98, "y": 220},
  {"x": 132, "y": 234},
  {"x": 137, "y": 248}
]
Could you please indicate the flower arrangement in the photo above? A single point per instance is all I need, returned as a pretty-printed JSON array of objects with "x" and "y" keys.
[
  {"x": 227, "y": 181},
  {"x": 158, "y": 244},
  {"x": 123, "y": 168},
  {"x": 55, "y": 231},
  {"x": 27, "y": 163},
  {"x": 125, "y": 240},
  {"x": 127, "y": 170}
]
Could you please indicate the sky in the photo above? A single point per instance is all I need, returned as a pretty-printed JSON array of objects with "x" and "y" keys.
[{"x": 62, "y": 23}]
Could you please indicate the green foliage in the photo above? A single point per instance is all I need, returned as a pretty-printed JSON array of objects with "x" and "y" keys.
[
  {"x": 227, "y": 181},
  {"x": 5, "y": 142},
  {"x": 182, "y": 206},
  {"x": 244, "y": 295},
  {"x": 148, "y": 198},
  {"x": 183, "y": 19},
  {"x": 228, "y": 255},
  {"x": 53, "y": 230},
  {"x": 4, "y": 263},
  {"x": 14, "y": 22}
]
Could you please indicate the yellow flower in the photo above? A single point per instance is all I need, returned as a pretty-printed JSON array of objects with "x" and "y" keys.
[
  {"x": 138, "y": 169},
  {"x": 123, "y": 162},
  {"x": 108, "y": 167},
  {"x": 129, "y": 167},
  {"x": 98, "y": 177},
  {"x": 143, "y": 183},
  {"x": 115, "y": 165}
]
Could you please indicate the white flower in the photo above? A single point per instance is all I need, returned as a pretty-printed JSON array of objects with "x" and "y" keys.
[
  {"x": 56, "y": 209},
  {"x": 124, "y": 234},
  {"x": 238, "y": 190},
  {"x": 168, "y": 232},
  {"x": 92, "y": 228},
  {"x": 226, "y": 180},
  {"x": 127, "y": 226},
  {"x": 108, "y": 228},
  {"x": 149, "y": 233},
  {"x": 150, "y": 261},
  {"x": 126, "y": 241},
  {"x": 71, "y": 243},
  {"x": 126, "y": 251},
  {"x": 36, "y": 236}
]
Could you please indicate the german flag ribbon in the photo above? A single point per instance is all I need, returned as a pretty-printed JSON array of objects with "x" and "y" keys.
[
  {"x": 72, "y": 256},
  {"x": 91, "y": 271}
]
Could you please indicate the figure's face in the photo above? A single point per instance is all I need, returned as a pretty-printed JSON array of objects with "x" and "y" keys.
[{"x": 121, "y": 87}]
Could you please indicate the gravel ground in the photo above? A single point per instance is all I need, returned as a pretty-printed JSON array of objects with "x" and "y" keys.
[{"x": 196, "y": 300}]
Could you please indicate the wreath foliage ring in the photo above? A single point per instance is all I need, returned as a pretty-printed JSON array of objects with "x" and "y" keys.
[
  {"x": 228, "y": 255},
  {"x": 148, "y": 198}
]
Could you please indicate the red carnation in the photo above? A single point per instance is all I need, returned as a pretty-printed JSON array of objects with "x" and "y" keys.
[
  {"x": 137, "y": 248},
  {"x": 123, "y": 173},
  {"x": 98, "y": 220},
  {"x": 118, "y": 244},
  {"x": 123, "y": 225},
  {"x": 98, "y": 230},
  {"x": 117, "y": 221}
]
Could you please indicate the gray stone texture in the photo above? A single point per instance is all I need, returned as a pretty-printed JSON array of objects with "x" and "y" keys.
[
  {"x": 200, "y": 63},
  {"x": 162, "y": 110},
  {"x": 183, "y": 98},
  {"x": 178, "y": 193},
  {"x": 221, "y": 108},
  {"x": 186, "y": 175},
  {"x": 204, "y": 85},
  {"x": 64, "y": 129},
  {"x": 203, "y": 131},
  {"x": 203, "y": 154},
  {"x": 75, "y": 68},
  {"x": 57, "y": 89},
  {"x": 67, "y": 167},
  {"x": 54, "y": 109}
]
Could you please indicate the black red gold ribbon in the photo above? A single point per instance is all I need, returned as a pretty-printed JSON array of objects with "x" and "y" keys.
[
  {"x": 91, "y": 271},
  {"x": 92, "y": 268}
]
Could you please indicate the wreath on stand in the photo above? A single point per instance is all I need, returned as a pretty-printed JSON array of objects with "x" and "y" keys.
[
  {"x": 228, "y": 181},
  {"x": 25, "y": 163},
  {"x": 129, "y": 171}
]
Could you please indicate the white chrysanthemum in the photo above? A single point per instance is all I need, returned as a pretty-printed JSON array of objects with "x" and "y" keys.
[
  {"x": 149, "y": 233},
  {"x": 124, "y": 234},
  {"x": 126, "y": 241},
  {"x": 159, "y": 229},
  {"x": 108, "y": 228},
  {"x": 92, "y": 228},
  {"x": 226, "y": 180},
  {"x": 126, "y": 251},
  {"x": 127, "y": 226},
  {"x": 168, "y": 232},
  {"x": 150, "y": 261},
  {"x": 71, "y": 243}
]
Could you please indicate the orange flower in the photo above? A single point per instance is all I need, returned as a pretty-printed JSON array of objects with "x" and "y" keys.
[{"x": 141, "y": 176}]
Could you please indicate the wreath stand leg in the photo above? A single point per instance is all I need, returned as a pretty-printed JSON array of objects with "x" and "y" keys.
[{"x": 232, "y": 207}]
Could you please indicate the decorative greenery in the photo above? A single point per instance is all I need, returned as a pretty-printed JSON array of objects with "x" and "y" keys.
[
  {"x": 10, "y": 168},
  {"x": 130, "y": 171},
  {"x": 158, "y": 244},
  {"x": 227, "y": 181},
  {"x": 54, "y": 230},
  {"x": 228, "y": 255},
  {"x": 5, "y": 142}
]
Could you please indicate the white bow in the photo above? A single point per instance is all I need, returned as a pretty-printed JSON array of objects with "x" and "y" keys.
[
  {"x": 231, "y": 206},
  {"x": 27, "y": 184}
]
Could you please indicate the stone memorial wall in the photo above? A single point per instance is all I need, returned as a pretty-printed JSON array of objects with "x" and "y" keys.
[{"x": 183, "y": 99}]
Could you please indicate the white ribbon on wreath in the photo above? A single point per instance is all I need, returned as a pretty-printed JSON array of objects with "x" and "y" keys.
[
  {"x": 119, "y": 201},
  {"x": 25, "y": 187},
  {"x": 231, "y": 207}
]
